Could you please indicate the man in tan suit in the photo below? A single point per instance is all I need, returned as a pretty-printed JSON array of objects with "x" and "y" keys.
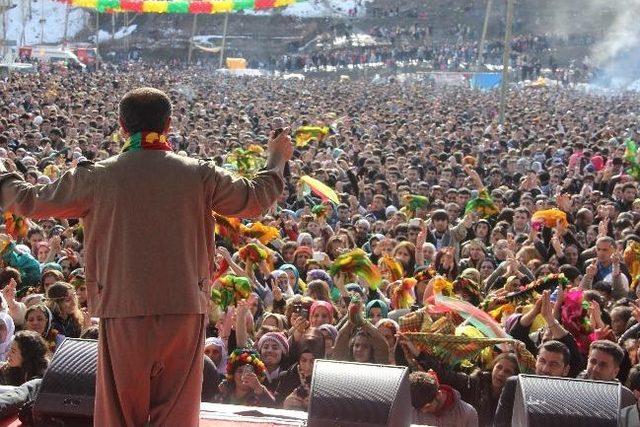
[{"x": 149, "y": 246}]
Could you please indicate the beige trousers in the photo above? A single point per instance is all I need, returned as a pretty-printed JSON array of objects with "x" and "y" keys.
[{"x": 149, "y": 371}]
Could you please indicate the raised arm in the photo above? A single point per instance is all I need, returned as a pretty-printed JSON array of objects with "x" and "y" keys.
[
  {"x": 236, "y": 196},
  {"x": 70, "y": 196}
]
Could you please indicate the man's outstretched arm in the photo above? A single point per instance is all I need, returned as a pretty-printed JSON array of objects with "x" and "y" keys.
[
  {"x": 70, "y": 196},
  {"x": 236, "y": 196}
]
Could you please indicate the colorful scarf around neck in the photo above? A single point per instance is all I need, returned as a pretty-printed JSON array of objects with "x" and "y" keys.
[{"x": 146, "y": 141}]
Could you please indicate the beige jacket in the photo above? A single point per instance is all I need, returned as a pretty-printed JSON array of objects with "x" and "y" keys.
[{"x": 148, "y": 229}]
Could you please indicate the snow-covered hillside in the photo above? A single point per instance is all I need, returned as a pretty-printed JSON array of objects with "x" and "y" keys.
[
  {"x": 54, "y": 17},
  {"x": 322, "y": 8},
  {"x": 54, "y": 21}
]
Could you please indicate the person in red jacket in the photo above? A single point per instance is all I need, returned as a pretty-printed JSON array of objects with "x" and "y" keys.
[{"x": 439, "y": 405}]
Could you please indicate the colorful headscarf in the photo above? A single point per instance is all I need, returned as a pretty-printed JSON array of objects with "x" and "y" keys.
[
  {"x": 298, "y": 285},
  {"x": 317, "y": 304},
  {"x": 245, "y": 356},
  {"x": 319, "y": 274},
  {"x": 279, "y": 338},
  {"x": 376, "y": 303}
]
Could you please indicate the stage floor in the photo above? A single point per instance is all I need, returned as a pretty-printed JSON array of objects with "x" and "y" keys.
[
  {"x": 218, "y": 415},
  {"x": 213, "y": 414}
]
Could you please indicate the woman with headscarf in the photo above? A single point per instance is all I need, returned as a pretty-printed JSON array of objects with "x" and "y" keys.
[
  {"x": 216, "y": 350},
  {"x": 321, "y": 312},
  {"x": 375, "y": 310},
  {"x": 215, "y": 359},
  {"x": 280, "y": 290},
  {"x": 293, "y": 390},
  {"x": 275, "y": 320},
  {"x": 300, "y": 258},
  {"x": 359, "y": 341},
  {"x": 294, "y": 278},
  {"x": 243, "y": 384},
  {"x": 389, "y": 329},
  {"x": 7, "y": 328},
  {"x": 320, "y": 274},
  {"x": 38, "y": 318},
  {"x": 274, "y": 350}
]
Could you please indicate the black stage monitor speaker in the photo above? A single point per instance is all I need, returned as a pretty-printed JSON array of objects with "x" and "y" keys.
[
  {"x": 68, "y": 386},
  {"x": 564, "y": 402},
  {"x": 357, "y": 394}
]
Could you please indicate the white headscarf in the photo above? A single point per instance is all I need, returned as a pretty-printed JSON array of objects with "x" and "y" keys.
[
  {"x": 218, "y": 342},
  {"x": 5, "y": 345}
]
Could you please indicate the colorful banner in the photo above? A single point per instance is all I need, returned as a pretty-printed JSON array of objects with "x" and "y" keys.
[{"x": 179, "y": 6}]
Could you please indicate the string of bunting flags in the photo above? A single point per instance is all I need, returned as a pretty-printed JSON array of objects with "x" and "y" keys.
[{"x": 179, "y": 6}]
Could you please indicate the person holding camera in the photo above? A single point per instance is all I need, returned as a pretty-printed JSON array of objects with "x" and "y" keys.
[
  {"x": 244, "y": 382},
  {"x": 293, "y": 392}
]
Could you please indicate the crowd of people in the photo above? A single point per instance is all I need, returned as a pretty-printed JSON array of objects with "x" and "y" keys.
[
  {"x": 414, "y": 45},
  {"x": 534, "y": 224}
]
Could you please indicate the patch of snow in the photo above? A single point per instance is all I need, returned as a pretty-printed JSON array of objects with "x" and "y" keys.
[
  {"x": 54, "y": 16},
  {"x": 356, "y": 40},
  {"x": 126, "y": 31},
  {"x": 104, "y": 36},
  {"x": 319, "y": 9}
]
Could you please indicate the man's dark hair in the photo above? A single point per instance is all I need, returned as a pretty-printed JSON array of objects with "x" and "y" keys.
[
  {"x": 423, "y": 389},
  {"x": 523, "y": 210},
  {"x": 440, "y": 215},
  {"x": 34, "y": 230},
  {"x": 609, "y": 347},
  {"x": 8, "y": 273},
  {"x": 144, "y": 110},
  {"x": 554, "y": 346},
  {"x": 570, "y": 272}
]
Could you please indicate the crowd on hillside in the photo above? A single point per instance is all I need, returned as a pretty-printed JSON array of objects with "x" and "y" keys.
[
  {"x": 447, "y": 225},
  {"x": 403, "y": 46}
]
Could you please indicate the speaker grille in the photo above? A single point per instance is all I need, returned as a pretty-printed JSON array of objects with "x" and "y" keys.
[
  {"x": 561, "y": 402},
  {"x": 354, "y": 394},
  {"x": 68, "y": 386}
]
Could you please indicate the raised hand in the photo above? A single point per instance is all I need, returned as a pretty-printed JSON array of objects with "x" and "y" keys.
[
  {"x": 280, "y": 145},
  {"x": 86, "y": 318},
  {"x": 277, "y": 292},
  {"x": 603, "y": 227},
  {"x": 250, "y": 380},
  {"x": 591, "y": 270},
  {"x": 300, "y": 326},
  {"x": 9, "y": 292}
]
